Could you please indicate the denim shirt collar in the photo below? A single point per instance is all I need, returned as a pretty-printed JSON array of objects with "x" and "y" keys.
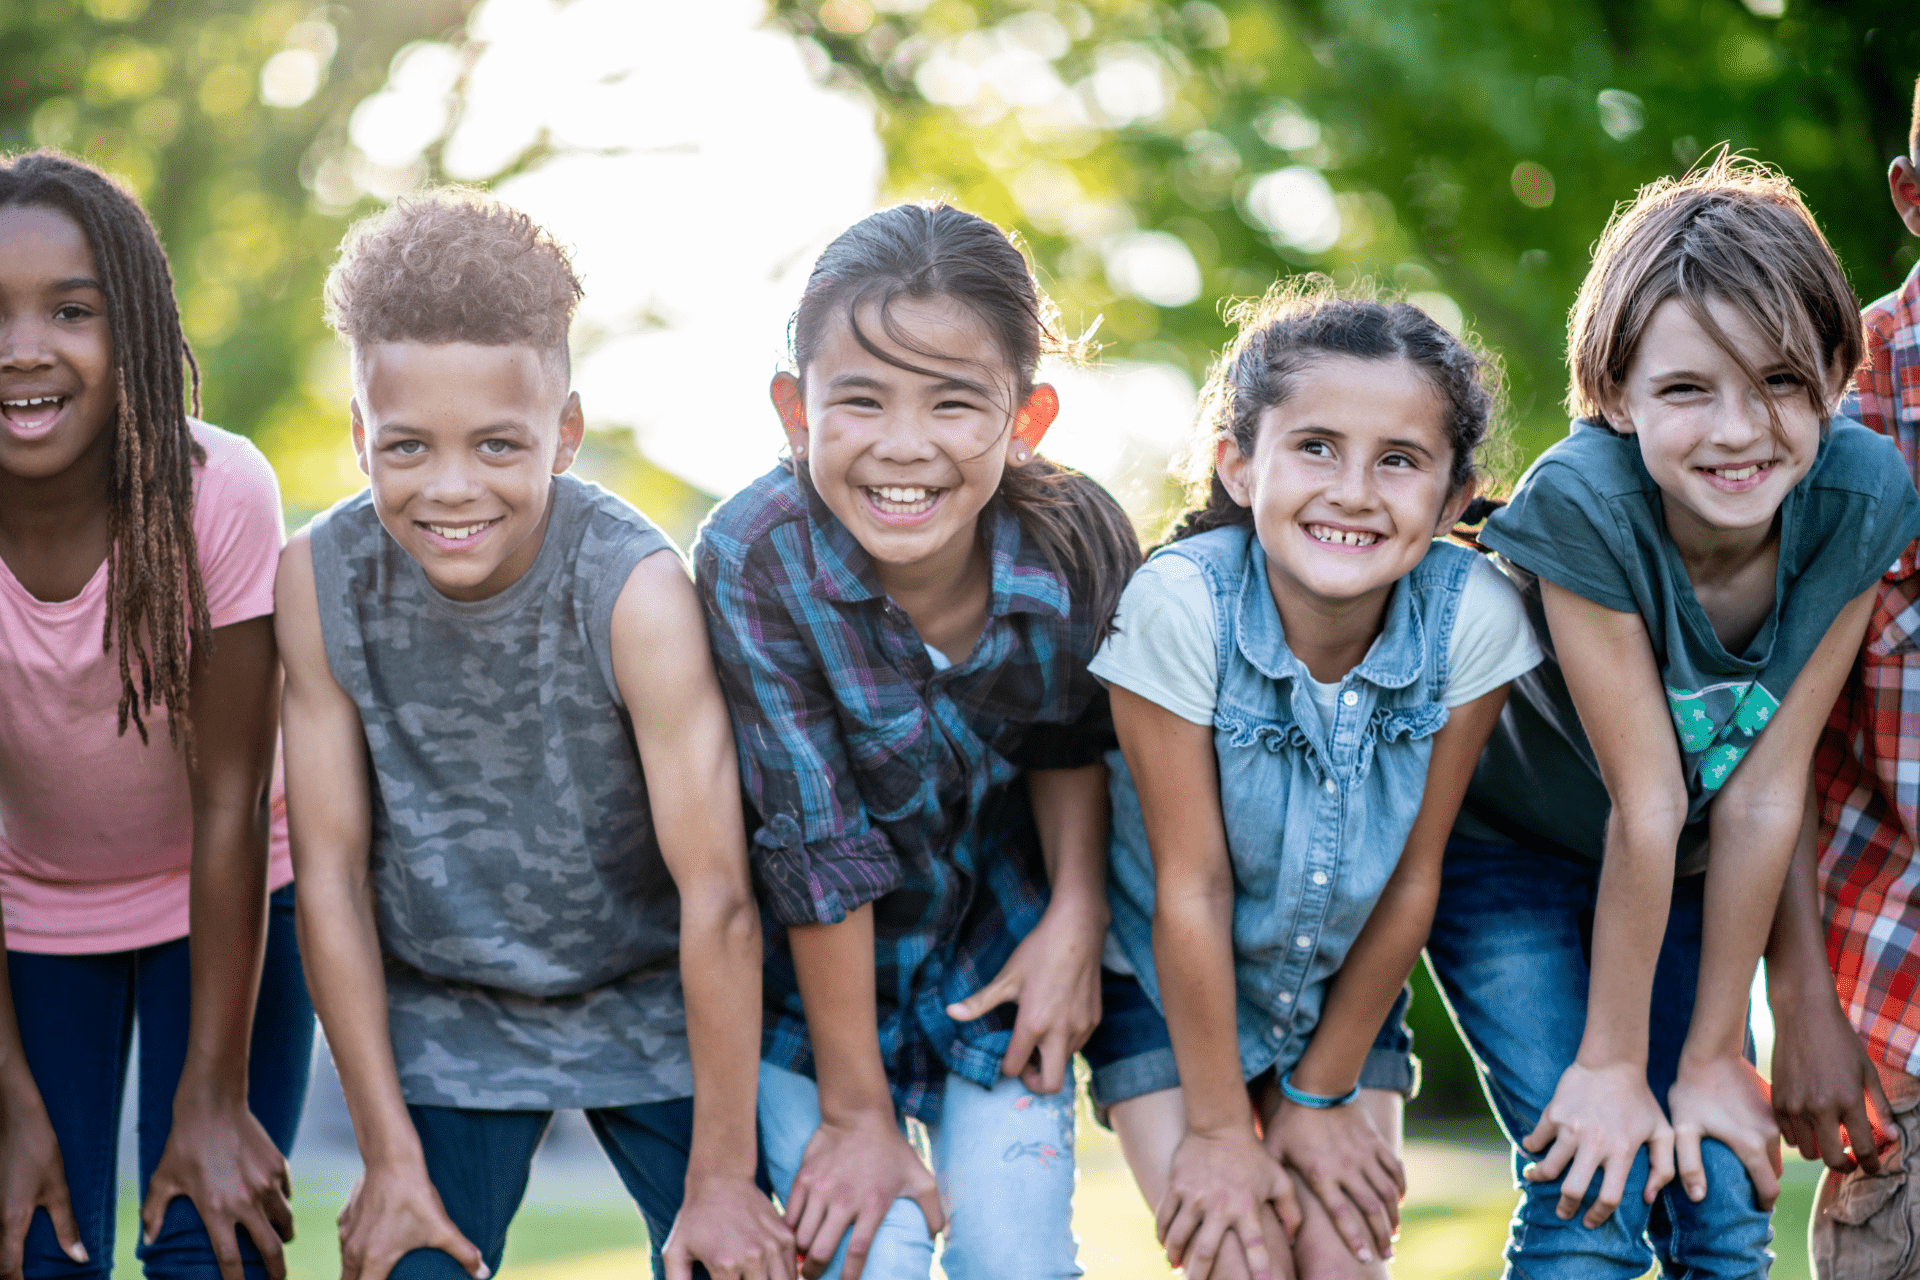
[
  {"x": 1021, "y": 582},
  {"x": 1394, "y": 660}
]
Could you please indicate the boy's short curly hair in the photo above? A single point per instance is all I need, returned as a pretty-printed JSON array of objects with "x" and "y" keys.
[{"x": 453, "y": 265}]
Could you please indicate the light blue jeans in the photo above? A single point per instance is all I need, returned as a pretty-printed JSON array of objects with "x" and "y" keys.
[{"x": 1004, "y": 1161}]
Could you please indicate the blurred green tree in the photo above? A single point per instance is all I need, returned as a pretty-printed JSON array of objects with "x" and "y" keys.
[
  {"x": 1159, "y": 156},
  {"x": 221, "y": 115}
]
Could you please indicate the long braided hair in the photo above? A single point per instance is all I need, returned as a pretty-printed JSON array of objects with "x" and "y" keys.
[{"x": 156, "y": 603}]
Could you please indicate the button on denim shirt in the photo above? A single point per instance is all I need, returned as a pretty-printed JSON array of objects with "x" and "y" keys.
[{"x": 1315, "y": 821}]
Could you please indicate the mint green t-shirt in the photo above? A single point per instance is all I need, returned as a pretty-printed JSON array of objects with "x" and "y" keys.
[{"x": 1587, "y": 517}]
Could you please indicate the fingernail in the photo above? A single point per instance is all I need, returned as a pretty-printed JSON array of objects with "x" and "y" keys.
[
  {"x": 485, "y": 1271},
  {"x": 79, "y": 1252},
  {"x": 1365, "y": 1255}
]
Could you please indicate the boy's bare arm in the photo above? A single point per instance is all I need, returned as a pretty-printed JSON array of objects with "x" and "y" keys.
[
  {"x": 1755, "y": 824},
  {"x": 394, "y": 1207},
  {"x": 1602, "y": 1111},
  {"x": 665, "y": 675}
]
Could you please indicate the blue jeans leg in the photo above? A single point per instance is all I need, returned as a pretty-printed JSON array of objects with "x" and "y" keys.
[
  {"x": 1004, "y": 1158},
  {"x": 1511, "y": 947},
  {"x": 649, "y": 1144},
  {"x": 76, "y": 1015},
  {"x": 478, "y": 1163},
  {"x": 789, "y": 1113},
  {"x": 280, "y": 1059}
]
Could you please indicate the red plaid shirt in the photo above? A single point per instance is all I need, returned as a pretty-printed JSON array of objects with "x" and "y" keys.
[{"x": 1867, "y": 767}]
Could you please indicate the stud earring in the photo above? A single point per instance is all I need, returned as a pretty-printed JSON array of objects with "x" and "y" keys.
[{"x": 1020, "y": 455}]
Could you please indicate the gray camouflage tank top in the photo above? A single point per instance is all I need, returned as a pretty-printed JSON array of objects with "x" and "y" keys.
[{"x": 529, "y": 923}]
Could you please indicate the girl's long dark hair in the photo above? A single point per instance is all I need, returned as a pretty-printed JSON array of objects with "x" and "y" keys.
[
  {"x": 156, "y": 603},
  {"x": 935, "y": 250},
  {"x": 1282, "y": 335}
]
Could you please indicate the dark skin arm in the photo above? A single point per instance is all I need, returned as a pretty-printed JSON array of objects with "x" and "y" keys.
[
  {"x": 857, "y": 1163},
  {"x": 217, "y": 1155},
  {"x": 31, "y": 1173},
  {"x": 1823, "y": 1080}
]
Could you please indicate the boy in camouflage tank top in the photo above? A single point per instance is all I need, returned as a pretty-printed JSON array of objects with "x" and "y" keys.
[{"x": 512, "y": 788}]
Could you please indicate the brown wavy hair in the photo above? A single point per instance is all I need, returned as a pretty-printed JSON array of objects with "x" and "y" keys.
[
  {"x": 453, "y": 265},
  {"x": 935, "y": 250},
  {"x": 1299, "y": 323},
  {"x": 156, "y": 601},
  {"x": 1732, "y": 229}
]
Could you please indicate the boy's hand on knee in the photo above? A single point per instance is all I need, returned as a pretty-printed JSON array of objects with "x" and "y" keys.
[
  {"x": 1221, "y": 1184},
  {"x": 1823, "y": 1081},
  {"x": 391, "y": 1211},
  {"x": 220, "y": 1158},
  {"x": 730, "y": 1226},
  {"x": 1349, "y": 1167},
  {"x": 31, "y": 1177},
  {"x": 1597, "y": 1122},
  {"x": 850, "y": 1174},
  {"x": 1724, "y": 1097}
]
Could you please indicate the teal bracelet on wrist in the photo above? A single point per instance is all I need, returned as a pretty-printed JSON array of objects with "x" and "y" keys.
[{"x": 1301, "y": 1098}]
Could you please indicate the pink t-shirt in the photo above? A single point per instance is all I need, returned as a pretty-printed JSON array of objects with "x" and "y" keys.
[{"x": 96, "y": 830}]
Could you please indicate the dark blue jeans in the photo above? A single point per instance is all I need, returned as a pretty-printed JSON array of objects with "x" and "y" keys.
[
  {"x": 77, "y": 1015},
  {"x": 1511, "y": 946},
  {"x": 478, "y": 1161}
]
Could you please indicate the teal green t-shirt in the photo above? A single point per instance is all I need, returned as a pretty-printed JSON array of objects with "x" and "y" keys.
[{"x": 1587, "y": 517}]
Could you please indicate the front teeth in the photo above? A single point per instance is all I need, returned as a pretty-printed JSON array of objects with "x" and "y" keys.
[
  {"x": 458, "y": 532},
  {"x": 1736, "y": 473},
  {"x": 901, "y": 493},
  {"x": 35, "y": 402},
  {"x": 1343, "y": 537}
]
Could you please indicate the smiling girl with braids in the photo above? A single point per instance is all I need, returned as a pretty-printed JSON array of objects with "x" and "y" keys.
[{"x": 136, "y": 543}]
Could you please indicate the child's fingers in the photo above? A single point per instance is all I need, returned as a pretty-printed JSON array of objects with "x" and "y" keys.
[
  {"x": 825, "y": 1241},
  {"x": 996, "y": 993},
  {"x": 1659, "y": 1164},
  {"x": 1286, "y": 1205},
  {"x": 1054, "y": 1057},
  {"x": 1687, "y": 1164},
  {"x": 1179, "y": 1230},
  {"x": 865, "y": 1228},
  {"x": 1373, "y": 1211},
  {"x": 1613, "y": 1185},
  {"x": 266, "y": 1239},
  {"x": 813, "y": 1221},
  {"x": 1865, "y": 1147},
  {"x": 160, "y": 1194},
  {"x": 65, "y": 1229},
  {"x": 1554, "y": 1162},
  {"x": 1766, "y": 1178},
  {"x": 1199, "y": 1258},
  {"x": 1020, "y": 1048},
  {"x": 1380, "y": 1181},
  {"x": 1348, "y": 1220},
  {"x": 928, "y": 1198},
  {"x": 1543, "y": 1136},
  {"x": 1573, "y": 1190}
]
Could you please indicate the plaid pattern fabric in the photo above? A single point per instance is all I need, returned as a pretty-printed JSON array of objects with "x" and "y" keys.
[
  {"x": 1867, "y": 768},
  {"x": 879, "y": 779}
]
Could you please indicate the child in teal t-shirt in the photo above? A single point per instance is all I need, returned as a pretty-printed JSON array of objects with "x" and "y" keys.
[{"x": 1698, "y": 558}]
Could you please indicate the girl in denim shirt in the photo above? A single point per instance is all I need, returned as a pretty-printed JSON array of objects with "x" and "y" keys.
[
  {"x": 1698, "y": 557},
  {"x": 1302, "y": 679}
]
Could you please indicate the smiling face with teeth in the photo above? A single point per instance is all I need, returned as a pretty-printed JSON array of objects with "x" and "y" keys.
[
  {"x": 1348, "y": 484},
  {"x": 907, "y": 460},
  {"x": 57, "y": 388},
  {"x": 1705, "y": 433},
  {"x": 461, "y": 442}
]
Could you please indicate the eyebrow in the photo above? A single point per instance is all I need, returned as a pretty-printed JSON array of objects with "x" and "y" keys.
[
  {"x": 486, "y": 429},
  {"x": 1393, "y": 442},
  {"x": 868, "y": 382},
  {"x": 77, "y": 282}
]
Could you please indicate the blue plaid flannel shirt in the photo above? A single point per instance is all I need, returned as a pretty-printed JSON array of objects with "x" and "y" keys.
[{"x": 879, "y": 779}]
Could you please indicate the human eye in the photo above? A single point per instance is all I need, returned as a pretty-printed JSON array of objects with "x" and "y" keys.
[
  {"x": 1398, "y": 459},
  {"x": 407, "y": 448},
  {"x": 1784, "y": 381},
  {"x": 1317, "y": 448},
  {"x": 497, "y": 447},
  {"x": 1681, "y": 388},
  {"x": 73, "y": 312}
]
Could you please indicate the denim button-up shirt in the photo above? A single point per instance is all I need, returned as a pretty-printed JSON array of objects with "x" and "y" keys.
[
  {"x": 879, "y": 779},
  {"x": 1315, "y": 819}
]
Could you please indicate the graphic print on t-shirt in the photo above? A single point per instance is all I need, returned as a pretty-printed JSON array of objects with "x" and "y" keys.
[{"x": 1719, "y": 724}]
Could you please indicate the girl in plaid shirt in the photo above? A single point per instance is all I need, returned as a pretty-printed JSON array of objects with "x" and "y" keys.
[{"x": 902, "y": 613}]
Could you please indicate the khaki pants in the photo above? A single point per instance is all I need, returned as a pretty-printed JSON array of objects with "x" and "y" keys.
[{"x": 1867, "y": 1227}]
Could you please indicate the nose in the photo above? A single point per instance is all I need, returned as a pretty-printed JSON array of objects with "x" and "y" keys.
[
  {"x": 905, "y": 435},
  {"x": 1743, "y": 420},
  {"x": 451, "y": 480},
  {"x": 1351, "y": 488},
  {"x": 23, "y": 344}
]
